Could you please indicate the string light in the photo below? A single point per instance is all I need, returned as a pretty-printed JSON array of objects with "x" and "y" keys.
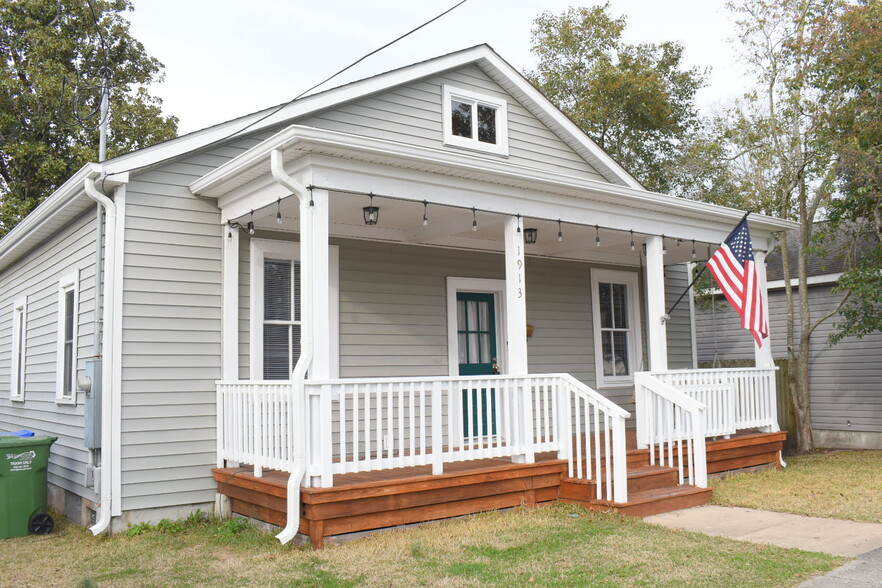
[
  {"x": 664, "y": 246},
  {"x": 597, "y": 235},
  {"x": 693, "y": 248},
  {"x": 425, "y": 213},
  {"x": 251, "y": 224},
  {"x": 559, "y": 232},
  {"x": 475, "y": 220},
  {"x": 279, "y": 211},
  {"x": 229, "y": 231},
  {"x": 632, "y": 239},
  {"x": 519, "y": 224}
]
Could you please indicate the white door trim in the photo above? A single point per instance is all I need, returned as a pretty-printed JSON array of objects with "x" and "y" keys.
[{"x": 484, "y": 286}]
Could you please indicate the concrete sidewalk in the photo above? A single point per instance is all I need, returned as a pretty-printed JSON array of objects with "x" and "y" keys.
[{"x": 833, "y": 536}]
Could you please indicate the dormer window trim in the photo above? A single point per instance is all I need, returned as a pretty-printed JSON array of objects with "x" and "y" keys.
[{"x": 478, "y": 103}]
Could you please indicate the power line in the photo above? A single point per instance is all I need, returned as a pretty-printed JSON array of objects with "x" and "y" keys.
[{"x": 348, "y": 67}]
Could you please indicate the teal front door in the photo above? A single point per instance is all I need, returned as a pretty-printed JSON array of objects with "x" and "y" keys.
[{"x": 476, "y": 339}]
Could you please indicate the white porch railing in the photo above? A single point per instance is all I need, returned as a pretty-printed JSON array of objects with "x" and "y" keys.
[
  {"x": 737, "y": 398},
  {"x": 358, "y": 425},
  {"x": 672, "y": 426}
]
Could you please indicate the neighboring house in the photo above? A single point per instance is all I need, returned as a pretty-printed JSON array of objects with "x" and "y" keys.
[
  {"x": 228, "y": 263},
  {"x": 844, "y": 379}
]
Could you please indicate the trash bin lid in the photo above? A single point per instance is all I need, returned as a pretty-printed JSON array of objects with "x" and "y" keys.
[
  {"x": 10, "y": 441},
  {"x": 21, "y": 433}
]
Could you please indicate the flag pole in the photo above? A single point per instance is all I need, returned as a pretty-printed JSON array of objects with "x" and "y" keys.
[{"x": 704, "y": 267}]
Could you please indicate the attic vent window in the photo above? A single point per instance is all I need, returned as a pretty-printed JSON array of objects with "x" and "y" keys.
[{"x": 475, "y": 121}]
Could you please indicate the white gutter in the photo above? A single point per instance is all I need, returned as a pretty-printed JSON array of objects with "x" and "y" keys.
[
  {"x": 298, "y": 375},
  {"x": 108, "y": 396}
]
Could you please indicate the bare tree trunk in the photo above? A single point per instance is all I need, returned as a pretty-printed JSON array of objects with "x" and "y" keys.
[{"x": 799, "y": 383}]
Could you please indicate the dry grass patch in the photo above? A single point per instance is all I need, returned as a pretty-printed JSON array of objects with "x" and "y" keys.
[
  {"x": 556, "y": 546},
  {"x": 836, "y": 484}
]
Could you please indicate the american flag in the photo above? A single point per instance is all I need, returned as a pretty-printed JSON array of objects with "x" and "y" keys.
[{"x": 734, "y": 269}]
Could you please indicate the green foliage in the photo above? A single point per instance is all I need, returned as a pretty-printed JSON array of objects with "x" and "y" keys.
[
  {"x": 853, "y": 68},
  {"x": 635, "y": 101},
  {"x": 49, "y": 47}
]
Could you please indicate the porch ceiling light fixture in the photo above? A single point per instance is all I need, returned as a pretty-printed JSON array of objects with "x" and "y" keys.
[
  {"x": 251, "y": 224},
  {"x": 371, "y": 213},
  {"x": 530, "y": 236},
  {"x": 425, "y": 213},
  {"x": 597, "y": 235},
  {"x": 279, "y": 211},
  {"x": 559, "y": 232},
  {"x": 475, "y": 219},
  {"x": 632, "y": 239}
]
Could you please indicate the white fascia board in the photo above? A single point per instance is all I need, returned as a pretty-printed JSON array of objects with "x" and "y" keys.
[
  {"x": 71, "y": 193},
  {"x": 254, "y": 164},
  {"x": 551, "y": 115},
  {"x": 811, "y": 281}
]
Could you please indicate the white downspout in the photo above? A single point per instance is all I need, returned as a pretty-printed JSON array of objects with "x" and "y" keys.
[
  {"x": 298, "y": 375},
  {"x": 108, "y": 451}
]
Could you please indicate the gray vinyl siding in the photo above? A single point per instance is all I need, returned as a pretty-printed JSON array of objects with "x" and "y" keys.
[
  {"x": 171, "y": 341},
  {"x": 412, "y": 114},
  {"x": 844, "y": 379},
  {"x": 37, "y": 276},
  {"x": 393, "y": 310},
  {"x": 679, "y": 327}
]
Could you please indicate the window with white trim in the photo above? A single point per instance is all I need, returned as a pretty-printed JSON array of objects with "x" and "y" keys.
[
  {"x": 19, "y": 349},
  {"x": 276, "y": 320},
  {"x": 475, "y": 121},
  {"x": 616, "y": 326},
  {"x": 68, "y": 313}
]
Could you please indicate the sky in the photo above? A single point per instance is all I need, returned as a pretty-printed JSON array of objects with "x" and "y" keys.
[{"x": 227, "y": 58}]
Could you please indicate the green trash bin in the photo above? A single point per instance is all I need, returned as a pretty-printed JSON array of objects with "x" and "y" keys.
[{"x": 23, "y": 463}]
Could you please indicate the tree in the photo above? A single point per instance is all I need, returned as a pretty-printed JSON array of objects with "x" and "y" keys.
[
  {"x": 775, "y": 145},
  {"x": 854, "y": 215},
  {"x": 53, "y": 51},
  {"x": 635, "y": 101}
]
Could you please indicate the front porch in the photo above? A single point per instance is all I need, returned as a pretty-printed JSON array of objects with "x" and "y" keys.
[
  {"x": 385, "y": 452},
  {"x": 387, "y": 498}
]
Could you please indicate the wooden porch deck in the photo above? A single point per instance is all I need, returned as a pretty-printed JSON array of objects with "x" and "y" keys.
[{"x": 379, "y": 499}]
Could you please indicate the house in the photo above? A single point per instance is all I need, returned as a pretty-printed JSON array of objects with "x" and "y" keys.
[
  {"x": 845, "y": 398},
  {"x": 425, "y": 271}
]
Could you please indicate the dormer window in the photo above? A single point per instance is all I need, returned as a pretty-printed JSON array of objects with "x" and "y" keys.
[{"x": 475, "y": 121}]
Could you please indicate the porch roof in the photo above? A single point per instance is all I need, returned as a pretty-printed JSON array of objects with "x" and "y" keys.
[{"x": 345, "y": 162}]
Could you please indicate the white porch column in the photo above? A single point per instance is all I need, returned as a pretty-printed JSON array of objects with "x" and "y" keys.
[
  {"x": 655, "y": 305},
  {"x": 516, "y": 330},
  {"x": 515, "y": 297},
  {"x": 763, "y": 355},
  {"x": 230, "y": 305},
  {"x": 321, "y": 307}
]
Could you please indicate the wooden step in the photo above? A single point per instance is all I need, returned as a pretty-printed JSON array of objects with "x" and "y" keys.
[
  {"x": 650, "y": 502},
  {"x": 639, "y": 479},
  {"x": 659, "y": 500}
]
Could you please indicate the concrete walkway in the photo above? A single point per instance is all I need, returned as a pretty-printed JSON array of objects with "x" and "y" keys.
[{"x": 833, "y": 536}]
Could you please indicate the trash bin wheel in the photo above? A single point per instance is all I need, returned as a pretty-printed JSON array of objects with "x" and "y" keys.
[{"x": 41, "y": 523}]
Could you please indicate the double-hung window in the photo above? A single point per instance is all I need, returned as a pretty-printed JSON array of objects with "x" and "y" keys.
[
  {"x": 475, "y": 121},
  {"x": 19, "y": 349},
  {"x": 616, "y": 326},
  {"x": 68, "y": 311},
  {"x": 276, "y": 317}
]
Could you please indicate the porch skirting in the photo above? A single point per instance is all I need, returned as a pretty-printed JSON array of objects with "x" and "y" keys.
[{"x": 388, "y": 498}]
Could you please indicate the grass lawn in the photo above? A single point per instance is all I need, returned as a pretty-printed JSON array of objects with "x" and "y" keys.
[
  {"x": 834, "y": 484},
  {"x": 559, "y": 545}
]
